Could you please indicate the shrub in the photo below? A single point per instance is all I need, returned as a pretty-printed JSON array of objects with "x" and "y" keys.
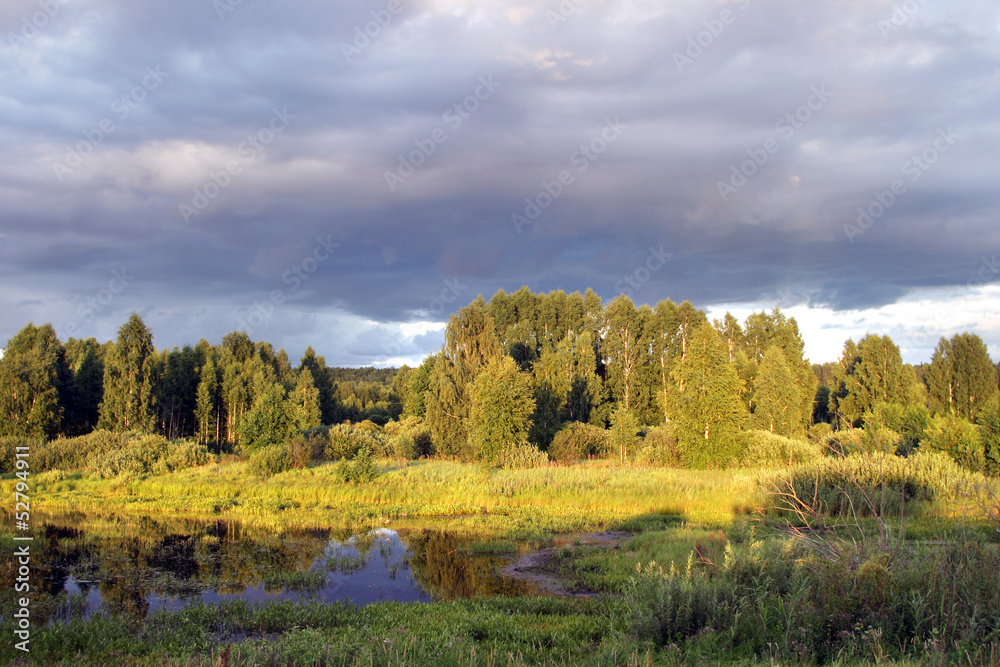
[
  {"x": 763, "y": 449},
  {"x": 365, "y": 469},
  {"x": 577, "y": 441},
  {"x": 362, "y": 469},
  {"x": 143, "y": 455},
  {"x": 345, "y": 440},
  {"x": 308, "y": 447},
  {"x": 77, "y": 453},
  {"x": 910, "y": 422},
  {"x": 186, "y": 454},
  {"x": 343, "y": 471},
  {"x": 269, "y": 460},
  {"x": 958, "y": 438},
  {"x": 8, "y": 451},
  {"x": 409, "y": 439},
  {"x": 657, "y": 448},
  {"x": 107, "y": 455}
]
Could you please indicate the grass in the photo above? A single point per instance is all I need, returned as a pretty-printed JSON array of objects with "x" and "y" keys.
[
  {"x": 700, "y": 579},
  {"x": 521, "y": 504}
]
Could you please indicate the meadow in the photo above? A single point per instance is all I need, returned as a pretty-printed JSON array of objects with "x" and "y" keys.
[{"x": 710, "y": 567}]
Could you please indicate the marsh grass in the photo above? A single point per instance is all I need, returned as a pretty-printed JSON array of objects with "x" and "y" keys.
[
  {"x": 519, "y": 504},
  {"x": 700, "y": 582}
]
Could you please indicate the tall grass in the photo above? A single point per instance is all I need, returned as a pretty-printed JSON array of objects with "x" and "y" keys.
[
  {"x": 597, "y": 492},
  {"x": 780, "y": 601}
]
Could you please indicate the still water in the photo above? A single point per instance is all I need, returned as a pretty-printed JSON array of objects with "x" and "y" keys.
[{"x": 141, "y": 569}]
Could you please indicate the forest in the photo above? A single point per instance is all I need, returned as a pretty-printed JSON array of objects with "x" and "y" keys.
[{"x": 521, "y": 379}]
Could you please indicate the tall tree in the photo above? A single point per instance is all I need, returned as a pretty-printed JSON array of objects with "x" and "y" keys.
[
  {"x": 418, "y": 382},
  {"x": 501, "y": 407},
  {"x": 86, "y": 364},
  {"x": 130, "y": 380},
  {"x": 626, "y": 349},
  {"x": 34, "y": 383},
  {"x": 776, "y": 393},
  {"x": 304, "y": 402},
  {"x": 961, "y": 378},
  {"x": 760, "y": 332},
  {"x": 470, "y": 343},
  {"x": 178, "y": 391},
  {"x": 868, "y": 372},
  {"x": 207, "y": 410},
  {"x": 324, "y": 383},
  {"x": 567, "y": 371},
  {"x": 268, "y": 422},
  {"x": 670, "y": 330},
  {"x": 706, "y": 400}
]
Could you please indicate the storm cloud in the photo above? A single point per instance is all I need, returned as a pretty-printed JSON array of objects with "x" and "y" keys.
[{"x": 345, "y": 175}]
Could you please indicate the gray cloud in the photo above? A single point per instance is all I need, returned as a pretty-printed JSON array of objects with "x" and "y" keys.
[{"x": 359, "y": 106}]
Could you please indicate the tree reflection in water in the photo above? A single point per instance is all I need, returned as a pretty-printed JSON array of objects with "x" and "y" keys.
[{"x": 86, "y": 564}]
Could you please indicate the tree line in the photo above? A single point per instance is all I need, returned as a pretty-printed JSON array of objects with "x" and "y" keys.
[
  {"x": 239, "y": 391},
  {"x": 514, "y": 373}
]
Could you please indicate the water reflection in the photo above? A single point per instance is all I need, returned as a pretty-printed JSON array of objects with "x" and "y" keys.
[{"x": 151, "y": 566}]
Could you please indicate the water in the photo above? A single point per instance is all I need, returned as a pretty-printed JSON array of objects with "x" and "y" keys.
[{"x": 152, "y": 566}]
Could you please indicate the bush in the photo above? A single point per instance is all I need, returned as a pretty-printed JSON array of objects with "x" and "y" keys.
[
  {"x": 187, "y": 454},
  {"x": 657, "y": 448},
  {"x": 308, "y": 448},
  {"x": 409, "y": 439},
  {"x": 345, "y": 440},
  {"x": 269, "y": 460},
  {"x": 958, "y": 438},
  {"x": 763, "y": 449},
  {"x": 8, "y": 451},
  {"x": 578, "y": 441},
  {"x": 362, "y": 469},
  {"x": 365, "y": 469},
  {"x": 141, "y": 456},
  {"x": 77, "y": 453}
]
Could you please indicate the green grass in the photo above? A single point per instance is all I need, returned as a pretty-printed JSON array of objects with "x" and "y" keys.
[
  {"x": 697, "y": 581},
  {"x": 520, "y": 504}
]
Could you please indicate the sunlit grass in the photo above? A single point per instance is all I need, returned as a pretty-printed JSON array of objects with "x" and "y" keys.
[{"x": 556, "y": 498}]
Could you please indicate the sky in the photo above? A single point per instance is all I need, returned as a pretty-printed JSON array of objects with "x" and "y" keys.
[{"x": 346, "y": 174}]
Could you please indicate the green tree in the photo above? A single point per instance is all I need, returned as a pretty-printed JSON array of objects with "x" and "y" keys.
[
  {"x": 958, "y": 438},
  {"x": 34, "y": 383},
  {"x": 268, "y": 422},
  {"x": 207, "y": 410},
  {"x": 304, "y": 402},
  {"x": 418, "y": 382},
  {"x": 706, "y": 402},
  {"x": 178, "y": 391},
  {"x": 961, "y": 377},
  {"x": 324, "y": 383},
  {"x": 470, "y": 343},
  {"x": 567, "y": 371},
  {"x": 761, "y": 332},
  {"x": 624, "y": 432},
  {"x": 869, "y": 372},
  {"x": 989, "y": 434},
  {"x": 86, "y": 364},
  {"x": 626, "y": 349},
  {"x": 670, "y": 332},
  {"x": 501, "y": 407},
  {"x": 776, "y": 395},
  {"x": 130, "y": 380}
]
